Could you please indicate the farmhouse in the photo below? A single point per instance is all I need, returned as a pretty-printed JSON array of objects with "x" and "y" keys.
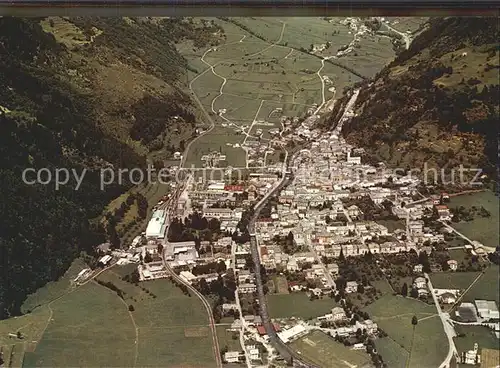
[
  {"x": 453, "y": 264},
  {"x": 368, "y": 325},
  {"x": 351, "y": 287},
  {"x": 447, "y": 298},
  {"x": 338, "y": 314},
  {"x": 232, "y": 356},
  {"x": 420, "y": 282},
  {"x": 418, "y": 268},
  {"x": 105, "y": 260},
  {"x": 443, "y": 212},
  {"x": 82, "y": 274}
]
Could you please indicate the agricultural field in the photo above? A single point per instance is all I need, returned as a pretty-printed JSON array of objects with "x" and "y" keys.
[
  {"x": 280, "y": 285},
  {"x": 483, "y": 336},
  {"x": 298, "y": 305},
  {"x": 393, "y": 354},
  {"x": 219, "y": 139},
  {"x": 226, "y": 338},
  {"x": 301, "y": 32},
  {"x": 264, "y": 64},
  {"x": 490, "y": 357},
  {"x": 322, "y": 350},
  {"x": 486, "y": 286},
  {"x": 458, "y": 255},
  {"x": 80, "y": 331},
  {"x": 144, "y": 315},
  {"x": 427, "y": 343},
  {"x": 453, "y": 280},
  {"x": 148, "y": 297},
  {"x": 175, "y": 347},
  {"x": 31, "y": 326},
  {"x": 482, "y": 229}
]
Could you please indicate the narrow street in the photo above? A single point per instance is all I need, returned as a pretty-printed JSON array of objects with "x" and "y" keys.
[{"x": 240, "y": 311}]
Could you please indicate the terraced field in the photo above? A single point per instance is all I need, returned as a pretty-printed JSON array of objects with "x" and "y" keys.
[
  {"x": 152, "y": 324},
  {"x": 266, "y": 64}
]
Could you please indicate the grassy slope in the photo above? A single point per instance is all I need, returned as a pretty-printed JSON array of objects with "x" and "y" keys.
[
  {"x": 393, "y": 314},
  {"x": 298, "y": 305},
  {"x": 80, "y": 330},
  {"x": 482, "y": 229},
  {"x": 81, "y": 322},
  {"x": 324, "y": 351}
]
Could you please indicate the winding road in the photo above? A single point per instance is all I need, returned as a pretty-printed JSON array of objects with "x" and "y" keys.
[
  {"x": 206, "y": 304},
  {"x": 273, "y": 44},
  {"x": 323, "y": 99},
  {"x": 208, "y": 308},
  {"x": 402, "y": 34}
]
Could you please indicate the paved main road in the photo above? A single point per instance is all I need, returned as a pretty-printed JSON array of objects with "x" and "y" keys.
[
  {"x": 286, "y": 352},
  {"x": 447, "y": 325},
  {"x": 405, "y": 36}
]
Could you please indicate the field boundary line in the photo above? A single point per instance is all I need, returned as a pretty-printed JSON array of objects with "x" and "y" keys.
[
  {"x": 428, "y": 317},
  {"x": 49, "y": 304},
  {"x": 131, "y": 318},
  {"x": 272, "y": 44},
  {"x": 405, "y": 314},
  {"x": 466, "y": 290}
]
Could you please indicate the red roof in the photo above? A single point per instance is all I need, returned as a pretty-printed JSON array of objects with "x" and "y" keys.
[
  {"x": 234, "y": 188},
  {"x": 263, "y": 251},
  {"x": 442, "y": 207},
  {"x": 262, "y": 331},
  {"x": 265, "y": 220}
]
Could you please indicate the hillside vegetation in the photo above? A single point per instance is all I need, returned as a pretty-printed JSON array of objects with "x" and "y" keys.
[
  {"x": 437, "y": 102},
  {"x": 79, "y": 93}
]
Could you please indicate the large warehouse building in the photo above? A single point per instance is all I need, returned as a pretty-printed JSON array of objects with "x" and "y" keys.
[{"x": 157, "y": 225}]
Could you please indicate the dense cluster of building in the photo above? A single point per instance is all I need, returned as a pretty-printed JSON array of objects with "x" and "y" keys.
[{"x": 319, "y": 216}]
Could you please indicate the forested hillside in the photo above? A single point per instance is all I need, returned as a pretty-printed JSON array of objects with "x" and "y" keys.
[
  {"x": 79, "y": 94},
  {"x": 437, "y": 102}
]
